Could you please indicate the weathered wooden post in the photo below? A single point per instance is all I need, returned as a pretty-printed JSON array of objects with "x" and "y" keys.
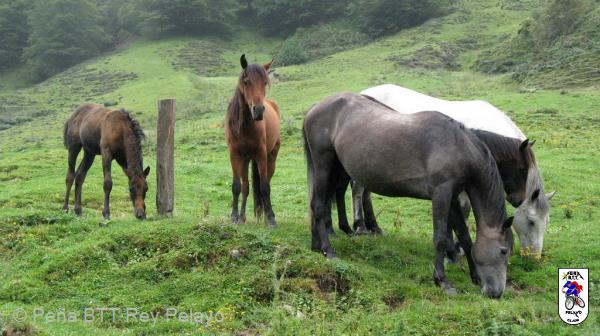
[{"x": 165, "y": 177}]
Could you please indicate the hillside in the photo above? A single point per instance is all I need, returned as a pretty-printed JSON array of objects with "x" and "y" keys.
[{"x": 379, "y": 285}]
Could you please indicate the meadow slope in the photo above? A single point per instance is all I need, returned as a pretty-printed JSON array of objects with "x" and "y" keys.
[{"x": 379, "y": 285}]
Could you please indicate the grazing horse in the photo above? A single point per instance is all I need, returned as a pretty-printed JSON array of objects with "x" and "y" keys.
[
  {"x": 252, "y": 132},
  {"x": 511, "y": 150},
  {"x": 114, "y": 134},
  {"x": 425, "y": 155}
]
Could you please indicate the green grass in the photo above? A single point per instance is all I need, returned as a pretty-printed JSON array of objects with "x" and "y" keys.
[{"x": 379, "y": 285}]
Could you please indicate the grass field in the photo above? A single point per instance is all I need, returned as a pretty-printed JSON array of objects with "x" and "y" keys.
[{"x": 378, "y": 285}]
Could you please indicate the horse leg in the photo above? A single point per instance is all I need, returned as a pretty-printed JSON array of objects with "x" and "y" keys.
[
  {"x": 106, "y": 163},
  {"x": 73, "y": 153},
  {"x": 266, "y": 169},
  {"x": 319, "y": 205},
  {"x": 465, "y": 207},
  {"x": 441, "y": 201},
  {"x": 322, "y": 189},
  {"x": 370, "y": 219},
  {"x": 84, "y": 166},
  {"x": 340, "y": 195},
  {"x": 462, "y": 232},
  {"x": 357, "y": 204},
  {"x": 236, "y": 186},
  {"x": 245, "y": 191}
]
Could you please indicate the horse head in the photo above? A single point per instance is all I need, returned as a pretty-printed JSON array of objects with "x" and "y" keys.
[
  {"x": 252, "y": 83},
  {"x": 137, "y": 192}
]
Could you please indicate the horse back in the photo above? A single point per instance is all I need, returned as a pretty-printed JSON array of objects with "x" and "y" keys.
[{"x": 85, "y": 126}]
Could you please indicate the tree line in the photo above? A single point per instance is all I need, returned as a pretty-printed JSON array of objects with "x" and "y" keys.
[{"x": 48, "y": 36}]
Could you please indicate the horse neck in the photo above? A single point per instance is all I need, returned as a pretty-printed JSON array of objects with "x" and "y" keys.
[
  {"x": 487, "y": 195},
  {"x": 133, "y": 154}
]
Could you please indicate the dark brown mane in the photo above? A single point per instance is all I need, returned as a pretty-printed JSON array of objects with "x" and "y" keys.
[
  {"x": 236, "y": 112},
  {"x": 138, "y": 136},
  {"x": 135, "y": 127},
  {"x": 504, "y": 148}
]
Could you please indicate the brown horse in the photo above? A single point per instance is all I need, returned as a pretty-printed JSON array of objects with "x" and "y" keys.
[
  {"x": 252, "y": 132},
  {"x": 114, "y": 134}
]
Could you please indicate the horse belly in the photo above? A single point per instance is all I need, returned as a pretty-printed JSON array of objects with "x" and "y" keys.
[
  {"x": 90, "y": 139},
  {"x": 385, "y": 170}
]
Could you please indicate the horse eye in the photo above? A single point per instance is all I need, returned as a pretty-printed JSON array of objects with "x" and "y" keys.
[
  {"x": 504, "y": 250},
  {"x": 531, "y": 223},
  {"x": 246, "y": 81}
]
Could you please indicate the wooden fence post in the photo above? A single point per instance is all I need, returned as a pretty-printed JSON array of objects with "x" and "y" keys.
[{"x": 165, "y": 177}]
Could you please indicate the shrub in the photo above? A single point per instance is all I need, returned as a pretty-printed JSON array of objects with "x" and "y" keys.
[
  {"x": 382, "y": 17},
  {"x": 308, "y": 44}
]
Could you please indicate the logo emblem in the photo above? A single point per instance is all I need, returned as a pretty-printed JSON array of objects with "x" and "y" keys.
[{"x": 573, "y": 294}]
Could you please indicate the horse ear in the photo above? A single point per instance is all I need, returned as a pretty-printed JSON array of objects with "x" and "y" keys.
[
  {"x": 147, "y": 171},
  {"x": 550, "y": 195},
  {"x": 524, "y": 149},
  {"x": 531, "y": 143},
  {"x": 267, "y": 66},
  {"x": 535, "y": 194},
  {"x": 508, "y": 222},
  {"x": 524, "y": 145},
  {"x": 243, "y": 61}
]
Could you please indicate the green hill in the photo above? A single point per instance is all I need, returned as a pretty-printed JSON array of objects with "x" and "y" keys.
[{"x": 379, "y": 285}]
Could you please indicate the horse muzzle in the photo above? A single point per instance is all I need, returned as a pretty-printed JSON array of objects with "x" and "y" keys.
[
  {"x": 257, "y": 112},
  {"x": 140, "y": 214}
]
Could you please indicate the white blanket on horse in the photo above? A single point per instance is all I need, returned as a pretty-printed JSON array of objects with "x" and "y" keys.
[{"x": 477, "y": 114}]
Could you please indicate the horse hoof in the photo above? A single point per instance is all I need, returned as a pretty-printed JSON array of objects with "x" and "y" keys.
[
  {"x": 65, "y": 209},
  {"x": 453, "y": 258},
  {"x": 272, "y": 224},
  {"x": 377, "y": 231},
  {"x": 450, "y": 291},
  {"x": 361, "y": 231},
  {"x": 329, "y": 255},
  {"x": 78, "y": 211},
  {"x": 347, "y": 230}
]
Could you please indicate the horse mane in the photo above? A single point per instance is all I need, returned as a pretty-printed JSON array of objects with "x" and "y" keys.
[
  {"x": 237, "y": 105},
  {"x": 490, "y": 175},
  {"x": 504, "y": 148},
  {"x": 234, "y": 112},
  {"x": 534, "y": 182},
  {"x": 138, "y": 136}
]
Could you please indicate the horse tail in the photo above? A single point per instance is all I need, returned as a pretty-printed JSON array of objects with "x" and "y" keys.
[
  {"x": 309, "y": 173},
  {"x": 65, "y": 135},
  {"x": 259, "y": 205}
]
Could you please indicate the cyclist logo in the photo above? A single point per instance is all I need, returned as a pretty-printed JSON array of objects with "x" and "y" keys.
[{"x": 573, "y": 294}]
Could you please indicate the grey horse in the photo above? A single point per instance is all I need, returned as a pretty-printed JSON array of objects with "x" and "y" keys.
[{"x": 425, "y": 155}]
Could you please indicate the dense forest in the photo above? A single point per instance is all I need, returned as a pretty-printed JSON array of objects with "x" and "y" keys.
[
  {"x": 51, "y": 35},
  {"x": 47, "y": 37}
]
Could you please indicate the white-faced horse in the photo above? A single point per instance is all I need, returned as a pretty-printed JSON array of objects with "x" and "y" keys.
[{"x": 493, "y": 127}]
